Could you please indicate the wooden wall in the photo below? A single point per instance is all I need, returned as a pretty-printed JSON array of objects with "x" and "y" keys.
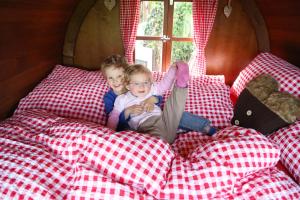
[
  {"x": 232, "y": 43},
  {"x": 231, "y": 46},
  {"x": 32, "y": 37},
  {"x": 31, "y": 41},
  {"x": 283, "y": 23},
  {"x": 93, "y": 34},
  {"x": 99, "y": 36}
]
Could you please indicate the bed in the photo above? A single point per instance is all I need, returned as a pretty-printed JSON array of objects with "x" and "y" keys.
[{"x": 56, "y": 145}]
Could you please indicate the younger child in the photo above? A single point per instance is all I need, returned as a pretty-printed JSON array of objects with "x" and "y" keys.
[
  {"x": 138, "y": 80},
  {"x": 113, "y": 69}
]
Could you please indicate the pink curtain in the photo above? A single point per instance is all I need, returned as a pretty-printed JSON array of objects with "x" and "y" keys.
[
  {"x": 129, "y": 19},
  {"x": 204, "y": 12}
]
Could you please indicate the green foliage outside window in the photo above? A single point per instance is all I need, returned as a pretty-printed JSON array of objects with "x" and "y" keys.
[{"x": 181, "y": 28}]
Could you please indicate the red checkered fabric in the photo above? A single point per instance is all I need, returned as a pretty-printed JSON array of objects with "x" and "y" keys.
[
  {"x": 129, "y": 20},
  {"x": 44, "y": 156},
  {"x": 209, "y": 97},
  {"x": 287, "y": 75},
  {"x": 70, "y": 92},
  {"x": 243, "y": 150},
  {"x": 211, "y": 101},
  {"x": 140, "y": 161},
  {"x": 28, "y": 169},
  {"x": 204, "y": 13},
  {"x": 216, "y": 167},
  {"x": 205, "y": 179},
  {"x": 75, "y": 93},
  {"x": 269, "y": 183},
  {"x": 92, "y": 185},
  {"x": 288, "y": 138}
]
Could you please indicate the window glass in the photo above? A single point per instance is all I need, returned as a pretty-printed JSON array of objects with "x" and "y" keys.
[
  {"x": 182, "y": 19},
  {"x": 151, "y": 18},
  {"x": 182, "y": 51},
  {"x": 149, "y": 53}
]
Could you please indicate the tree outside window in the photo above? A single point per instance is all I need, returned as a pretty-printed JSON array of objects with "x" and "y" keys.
[{"x": 164, "y": 34}]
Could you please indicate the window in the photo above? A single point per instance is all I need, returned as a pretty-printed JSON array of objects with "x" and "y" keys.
[{"x": 164, "y": 33}]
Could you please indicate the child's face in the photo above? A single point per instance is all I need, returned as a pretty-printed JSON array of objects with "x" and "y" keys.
[
  {"x": 115, "y": 79},
  {"x": 140, "y": 84}
]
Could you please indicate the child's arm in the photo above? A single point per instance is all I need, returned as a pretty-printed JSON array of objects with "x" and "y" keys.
[
  {"x": 113, "y": 119},
  {"x": 109, "y": 100},
  {"x": 168, "y": 80},
  {"x": 123, "y": 123},
  {"x": 148, "y": 103},
  {"x": 133, "y": 110}
]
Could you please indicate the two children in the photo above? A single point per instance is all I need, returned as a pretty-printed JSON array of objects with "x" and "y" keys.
[
  {"x": 113, "y": 69},
  {"x": 138, "y": 81}
]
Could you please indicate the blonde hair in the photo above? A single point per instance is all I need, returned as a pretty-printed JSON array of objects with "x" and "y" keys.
[
  {"x": 116, "y": 61},
  {"x": 136, "y": 69}
]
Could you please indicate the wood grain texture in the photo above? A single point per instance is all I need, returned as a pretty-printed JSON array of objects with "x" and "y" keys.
[
  {"x": 232, "y": 43},
  {"x": 99, "y": 36},
  {"x": 31, "y": 40},
  {"x": 283, "y": 23}
]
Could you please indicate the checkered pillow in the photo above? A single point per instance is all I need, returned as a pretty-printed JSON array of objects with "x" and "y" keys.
[
  {"x": 287, "y": 75},
  {"x": 288, "y": 138},
  {"x": 209, "y": 97},
  {"x": 75, "y": 93},
  {"x": 69, "y": 92},
  {"x": 243, "y": 150}
]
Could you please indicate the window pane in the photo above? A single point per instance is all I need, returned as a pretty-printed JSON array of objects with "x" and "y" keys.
[
  {"x": 149, "y": 53},
  {"x": 151, "y": 18},
  {"x": 182, "y": 21},
  {"x": 182, "y": 51}
]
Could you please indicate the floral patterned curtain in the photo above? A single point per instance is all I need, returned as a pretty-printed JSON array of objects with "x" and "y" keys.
[
  {"x": 204, "y": 12},
  {"x": 129, "y": 19}
]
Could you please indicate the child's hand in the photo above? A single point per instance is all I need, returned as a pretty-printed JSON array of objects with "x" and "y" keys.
[
  {"x": 133, "y": 110},
  {"x": 148, "y": 104},
  {"x": 148, "y": 107}
]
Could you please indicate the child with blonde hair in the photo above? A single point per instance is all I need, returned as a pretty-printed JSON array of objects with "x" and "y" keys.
[
  {"x": 164, "y": 124},
  {"x": 113, "y": 68}
]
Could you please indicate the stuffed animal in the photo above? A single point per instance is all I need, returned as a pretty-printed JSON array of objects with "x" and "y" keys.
[
  {"x": 262, "y": 86},
  {"x": 265, "y": 88},
  {"x": 262, "y": 107}
]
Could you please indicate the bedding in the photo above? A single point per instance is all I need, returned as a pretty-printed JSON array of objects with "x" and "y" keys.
[
  {"x": 75, "y": 93},
  {"x": 71, "y": 159},
  {"x": 56, "y": 147},
  {"x": 287, "y": 75}
]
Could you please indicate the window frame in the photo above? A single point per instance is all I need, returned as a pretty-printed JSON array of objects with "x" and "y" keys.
[{"x": 168, "y": 31}]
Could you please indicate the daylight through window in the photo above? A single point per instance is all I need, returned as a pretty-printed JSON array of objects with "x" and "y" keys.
[{"x": 164, "y": 33}]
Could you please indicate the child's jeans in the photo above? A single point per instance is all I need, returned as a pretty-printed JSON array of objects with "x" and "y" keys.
[{"x": 191, "y": 122}]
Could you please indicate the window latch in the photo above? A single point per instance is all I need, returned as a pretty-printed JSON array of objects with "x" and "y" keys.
[{"x": 164, "y": 38}]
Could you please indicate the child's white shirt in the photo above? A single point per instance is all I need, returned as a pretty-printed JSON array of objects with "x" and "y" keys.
[{"x": 128, "y": 99}]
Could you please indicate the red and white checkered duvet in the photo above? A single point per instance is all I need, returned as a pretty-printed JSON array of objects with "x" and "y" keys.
[
  {"x": 44, "y": 156},
  {"x": 288, "y": 77},
  {"x": 288, "y": 138}
]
